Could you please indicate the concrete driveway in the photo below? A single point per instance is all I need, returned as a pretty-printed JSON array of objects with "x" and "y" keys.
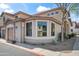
[{"x": 8, "y": 50}]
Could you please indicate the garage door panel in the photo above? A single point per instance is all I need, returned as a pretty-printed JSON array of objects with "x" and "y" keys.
[{"x": 10, "y": 33}]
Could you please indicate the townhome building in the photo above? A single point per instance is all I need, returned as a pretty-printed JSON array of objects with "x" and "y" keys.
[{"x": 39, "y": 28}]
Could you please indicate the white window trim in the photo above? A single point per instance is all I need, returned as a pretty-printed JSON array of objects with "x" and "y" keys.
[{"x": 25, "y": 28}]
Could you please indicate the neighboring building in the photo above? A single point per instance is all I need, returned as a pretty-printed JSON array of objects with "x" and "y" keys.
[
  {"x": 1, "y": 26},
  {"x": 42, "y": 27},
  {"x": 75, "y": 28}
]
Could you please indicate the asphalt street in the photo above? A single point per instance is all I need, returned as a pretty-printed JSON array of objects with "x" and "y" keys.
[{"x": 7, "y": 50}]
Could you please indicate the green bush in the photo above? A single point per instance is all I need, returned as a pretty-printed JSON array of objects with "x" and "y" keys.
[
  {"x": 66, "y": 36},
  {"x": 71, "y": 35},
  {"x": 13, "y": 41}
]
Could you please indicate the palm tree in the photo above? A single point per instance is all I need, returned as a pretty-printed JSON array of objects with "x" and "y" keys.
[
  {"x": 75, "y": 9},
  {"x": 65, "y": 7}
]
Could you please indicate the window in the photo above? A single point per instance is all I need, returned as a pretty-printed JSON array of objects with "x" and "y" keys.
[
  {"x": 3, "y": 34},
  {"x": 56, "y": 12},
  {"x": 29, "y": 29},
  {"x": 48, "y": 14},
  {"x": 52, "y": 29},
  {"x": 52, "y": 13},
  {"x": 42, "y": 29},
  {"x": 71, "y": 30}
]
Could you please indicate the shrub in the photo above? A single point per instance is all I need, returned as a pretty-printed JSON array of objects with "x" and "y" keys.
[
  {"x": 13, "y": 41},
  {"x": 71, "y": 35}
]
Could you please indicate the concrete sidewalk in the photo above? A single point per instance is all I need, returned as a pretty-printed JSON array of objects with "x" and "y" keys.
[
  {"x": 75, "y": 51},
  {"x": 76, "y": 45}
]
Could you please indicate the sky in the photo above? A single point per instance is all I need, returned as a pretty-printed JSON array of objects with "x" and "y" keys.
[{"x": 29, "y": 8}]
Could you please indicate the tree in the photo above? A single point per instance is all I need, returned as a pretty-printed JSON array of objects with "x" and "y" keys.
[
  {"x": 65, "y": 7},
  {"x": 75, "y": 9}
]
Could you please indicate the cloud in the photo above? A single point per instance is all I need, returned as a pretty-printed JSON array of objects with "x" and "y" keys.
[
  {"x": 42, "y": 8},
  {"x": 6, "y": 8},
  {"x": 9, "y": 10}
]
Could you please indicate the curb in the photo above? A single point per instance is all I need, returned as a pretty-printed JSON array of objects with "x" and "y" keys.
[{"x": 26, "y": 49}]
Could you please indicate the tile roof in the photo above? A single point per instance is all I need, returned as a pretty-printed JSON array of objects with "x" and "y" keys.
[{"x": 47, "y": 11}]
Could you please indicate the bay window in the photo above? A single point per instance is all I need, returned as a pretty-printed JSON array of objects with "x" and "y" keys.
[{"x": 42, "y": 29}]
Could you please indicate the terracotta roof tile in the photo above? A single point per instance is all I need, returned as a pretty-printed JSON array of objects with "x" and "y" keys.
[{"x": 47, "y": 11}]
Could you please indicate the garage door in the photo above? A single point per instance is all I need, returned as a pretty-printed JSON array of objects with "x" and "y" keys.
[
  {"x": 3, "y": 34},
  {"x": 10, "y": 33}
]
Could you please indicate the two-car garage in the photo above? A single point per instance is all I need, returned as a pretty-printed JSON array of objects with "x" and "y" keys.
[{"x": 14, "y": 33}]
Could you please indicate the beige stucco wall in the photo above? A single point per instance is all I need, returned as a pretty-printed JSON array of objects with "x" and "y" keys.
[
  {"x": 57, "y": 30},
  {"x": 18, "y": 28},
  {"x": 22, "y": 16},
  {"x": 1, "y": 21},
  {"x": 69, "y": 25},
  {"x": 8, "y": 17},
  {"x": 56, "y": 16}
]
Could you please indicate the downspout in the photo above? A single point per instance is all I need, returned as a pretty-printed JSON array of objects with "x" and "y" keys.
[
  {"x": 14, "y": 30},
  {"x": 62, "y": 29},
  {"x": 21, "y": 32},
  {"x": 24, "y": 32}
]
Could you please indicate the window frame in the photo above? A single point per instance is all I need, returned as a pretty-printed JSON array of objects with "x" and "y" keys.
[
  {"x": 26, "y": 29},
  {"x": 42, "y": 30},
  {"x": 52, "y": 13},
  {"x": 56, "y": 12}
]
